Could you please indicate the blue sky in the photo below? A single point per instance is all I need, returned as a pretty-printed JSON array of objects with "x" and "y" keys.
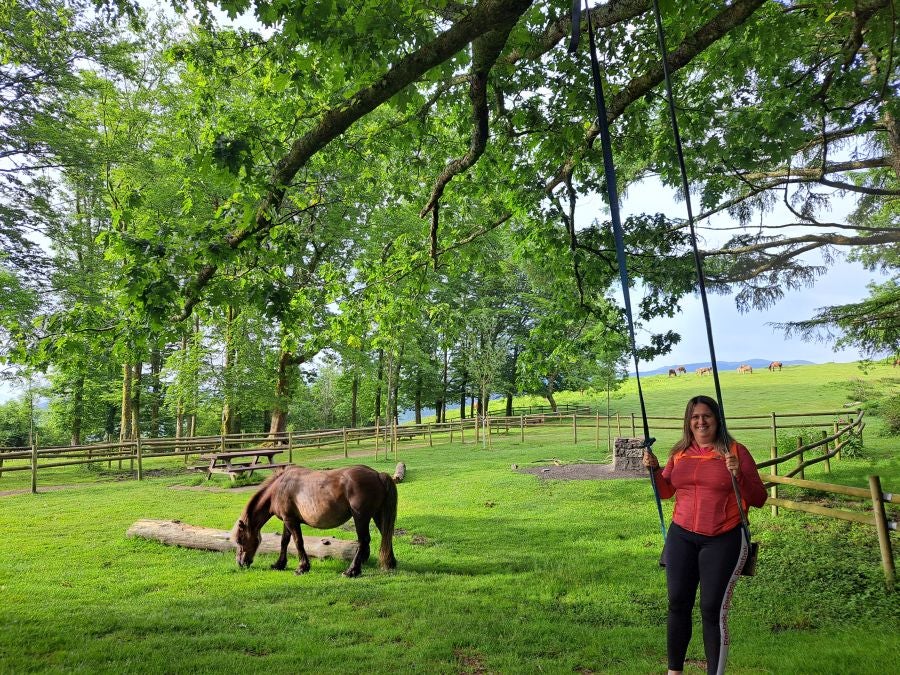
[{"x": 737, "y": 336}]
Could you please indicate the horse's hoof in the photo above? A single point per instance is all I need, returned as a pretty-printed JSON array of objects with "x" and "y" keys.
[
  {"x": 350, "y": 573},
  {"x": 279, "y": 566},
  {"x": 302, "y": 570}
]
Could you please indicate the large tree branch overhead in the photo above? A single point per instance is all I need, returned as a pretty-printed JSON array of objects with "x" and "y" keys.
[
  {"x": 481, "y": 19},
  {"x": 694, "y": 44}
]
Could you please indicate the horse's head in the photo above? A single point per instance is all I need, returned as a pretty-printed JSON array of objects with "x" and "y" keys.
[{"x": 247, "y": 540}]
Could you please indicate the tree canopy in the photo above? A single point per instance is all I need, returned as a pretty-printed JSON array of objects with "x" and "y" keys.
[{"x": 409, "y": 180}]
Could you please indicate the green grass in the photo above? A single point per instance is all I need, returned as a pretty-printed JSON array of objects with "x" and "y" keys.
[{"x": 498, "y": 571}]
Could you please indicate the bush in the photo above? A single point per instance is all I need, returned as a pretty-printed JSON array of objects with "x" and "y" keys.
[{"x": 889, "y": 410}]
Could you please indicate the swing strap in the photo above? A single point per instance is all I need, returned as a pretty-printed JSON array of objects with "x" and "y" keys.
[
  {"x": 609, "y": 171},
  {"x": 698, "y": 261}
]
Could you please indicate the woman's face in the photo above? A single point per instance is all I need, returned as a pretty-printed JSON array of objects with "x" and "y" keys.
[{"x": 703, "y": 424}]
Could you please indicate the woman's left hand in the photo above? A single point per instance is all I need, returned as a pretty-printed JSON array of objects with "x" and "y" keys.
[{"x": 731, "y": 462}]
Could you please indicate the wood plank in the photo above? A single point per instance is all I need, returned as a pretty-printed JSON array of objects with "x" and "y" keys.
[
  {"x": 176, "y": 533},
  {"x": 239, "y": 468},
  {"x": 241, "y": 453}
]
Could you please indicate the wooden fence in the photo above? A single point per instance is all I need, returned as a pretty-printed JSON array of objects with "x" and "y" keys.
[
  {"x": 377, "y": 439},
  {"x": 822, "y": 451},
  {"x": 386, "y": 439}
]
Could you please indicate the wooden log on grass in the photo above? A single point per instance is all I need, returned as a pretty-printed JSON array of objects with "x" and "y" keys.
[
  {"x": 400, "y": 472},
  {"x": 176, "y": 533}
]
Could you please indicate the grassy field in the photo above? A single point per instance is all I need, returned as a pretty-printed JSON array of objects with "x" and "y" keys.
[{"x": 499, "y": 571}]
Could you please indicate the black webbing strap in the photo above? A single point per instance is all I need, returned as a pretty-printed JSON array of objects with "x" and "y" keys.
[
  {"x": 698, "y": 261},
  {"x": 609, "y": 171}
]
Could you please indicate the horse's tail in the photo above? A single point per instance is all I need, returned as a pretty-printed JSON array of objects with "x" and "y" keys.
[{"x": 388, "y": 519}]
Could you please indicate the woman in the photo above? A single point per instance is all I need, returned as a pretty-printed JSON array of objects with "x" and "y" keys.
[{"x": 705, "y": 544}]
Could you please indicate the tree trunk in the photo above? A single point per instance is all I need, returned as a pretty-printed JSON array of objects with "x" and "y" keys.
[
  {"x": 444, "y": 384},
  {"x": 179, "y": 405},
  {"x": 378, "y": 385},
  {"x": 418, "y": 402},
  {"x": 354, "y": 400},
  {"x": 77, "y": 410},
  {"x": 156, "y": 391},
  {"x": 125, "y": 417},
  {"x": 136, "y": 399},
  {"x": 512, "y": 381},
  {"x": 462, "y": 396},
  {"x": 549, "y": 392},
  {"x": 229, "y": 412},
  {"x": 282, "y": 393}
]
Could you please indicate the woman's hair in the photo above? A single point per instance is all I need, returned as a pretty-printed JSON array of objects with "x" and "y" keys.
[{"x": 723, "y": 438}]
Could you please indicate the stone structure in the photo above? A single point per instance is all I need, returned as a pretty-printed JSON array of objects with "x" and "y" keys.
[{"x": 628, "y": 454}]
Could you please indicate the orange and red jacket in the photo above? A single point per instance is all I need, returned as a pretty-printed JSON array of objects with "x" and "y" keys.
[{"x": 705, "y": 502}]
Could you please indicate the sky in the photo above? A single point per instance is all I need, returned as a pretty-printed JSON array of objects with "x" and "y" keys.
[{"x": 737, "y": 336}]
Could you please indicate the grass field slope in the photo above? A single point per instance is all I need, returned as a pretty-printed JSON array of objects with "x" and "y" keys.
[{"x": 499, "y": 571}]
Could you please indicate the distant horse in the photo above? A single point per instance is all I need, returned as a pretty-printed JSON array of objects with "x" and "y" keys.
[
  {"x": 745, "y": 369},
  {"x": 322, "y": 499},
  {"x": 681, "y": 370},
  {"x": 672, "y": 373},
  {"x": 775, "y": 365},
  {"x": 705, "y": 370}
]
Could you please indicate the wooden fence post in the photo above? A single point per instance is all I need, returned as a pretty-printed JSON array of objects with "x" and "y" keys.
[
  {"x": 462, "y": 431},
  {"x": 290, "y": 447},
  {"x": 451, "y": 432},
  {"x": 838, "y": 455},
  {"x": 522, "y": 426},
  {"x": 773, "y": 491},
  {"x": 881, "y": 524},
  {"x": 575, "y": 428},
  {"x": 430, "y": 440},
  {"x": 376, "y": 437},
  {"x": 774, "y": 430},
  {"x": 34, "y": 460},
  {"x": 618, "y": 424},
  {"x": 633, "y": 428},
  {"x": 597, "y": 433},
  {"x": 487, "y": 421},
  {"x": 140, "y": 461},
  {"x": 800, "y": 456},
  {"x": 344, "y": 436},
  {"x": 825, "y": 447}
]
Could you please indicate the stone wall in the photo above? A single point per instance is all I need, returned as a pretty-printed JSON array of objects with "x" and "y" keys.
[{"x": 627, "y": 455}]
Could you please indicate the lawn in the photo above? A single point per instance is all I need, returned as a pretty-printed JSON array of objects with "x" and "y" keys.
[{"x": 499, "y": 571}]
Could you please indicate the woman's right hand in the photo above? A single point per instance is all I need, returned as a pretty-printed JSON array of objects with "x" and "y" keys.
[{"x": 650, "y": 460}]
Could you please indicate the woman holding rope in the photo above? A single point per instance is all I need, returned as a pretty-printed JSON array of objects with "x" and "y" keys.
[{"x": 705, "y": 544}]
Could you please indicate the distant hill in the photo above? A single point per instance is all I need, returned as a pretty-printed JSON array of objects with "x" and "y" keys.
[{"x": 724, "y": 365}]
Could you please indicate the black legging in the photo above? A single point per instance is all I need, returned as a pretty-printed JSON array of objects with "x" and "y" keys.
[{"x": 715, "y": 563}]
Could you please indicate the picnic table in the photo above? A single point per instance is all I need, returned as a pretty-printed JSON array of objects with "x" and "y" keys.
[{"x": 234, "y": 462}]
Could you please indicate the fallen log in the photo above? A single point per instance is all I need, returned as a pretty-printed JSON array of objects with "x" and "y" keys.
[
  {"x": 400, "y": 472},
  {"x": 176, "y": 533}
]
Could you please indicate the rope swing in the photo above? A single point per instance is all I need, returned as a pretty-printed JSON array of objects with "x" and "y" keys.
[{"x": 618, "y": 232}]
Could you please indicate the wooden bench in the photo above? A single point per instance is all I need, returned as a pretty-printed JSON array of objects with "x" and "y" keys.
[{"x": 230, "y": 462}]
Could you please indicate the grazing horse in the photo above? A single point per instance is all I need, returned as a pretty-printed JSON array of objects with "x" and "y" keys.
[
  {"x": 775, "y": 365},
  {"x": 745, "y": 369},
  {"x": 322, "y": 499},
  {"x": 672, "y": 373},
  {"x": 681, "y": 370},
  {"x": 705, "y": 370}
]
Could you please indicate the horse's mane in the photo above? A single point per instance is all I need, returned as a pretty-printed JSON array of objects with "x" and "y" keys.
[{"x": 263, "y": 491}]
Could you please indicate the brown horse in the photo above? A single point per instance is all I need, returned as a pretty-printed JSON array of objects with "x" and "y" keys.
[
  {"x": 681, "y": 370},
  {"x": 775, "y": 365},
  {"x": 672, "y": 373},
  {"x": 322, "y": 499}
]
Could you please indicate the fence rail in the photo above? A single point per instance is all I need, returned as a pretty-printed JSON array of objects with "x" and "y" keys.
[{"x": 381, "y": 437}]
